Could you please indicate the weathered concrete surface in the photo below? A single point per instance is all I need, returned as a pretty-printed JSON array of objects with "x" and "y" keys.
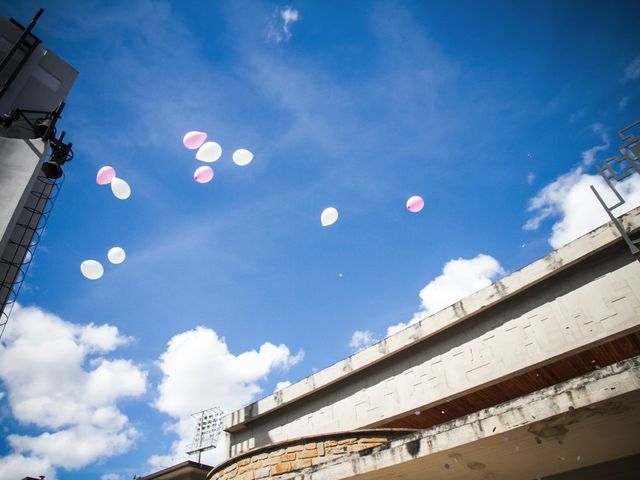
[
  {"x": 583, "y": 294},
  {"x": 20, "y": 162},
  {"x": 581, "y": 422}
]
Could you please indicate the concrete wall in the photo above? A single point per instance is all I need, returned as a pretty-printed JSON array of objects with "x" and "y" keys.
[
  {"x": 20, "y": 162},
  {"x": 43, "y": 83},
  {"x": 561, "y": 306}
]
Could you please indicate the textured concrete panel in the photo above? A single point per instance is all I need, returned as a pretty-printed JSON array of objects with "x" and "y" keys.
[{"x": 567, "y": 427}]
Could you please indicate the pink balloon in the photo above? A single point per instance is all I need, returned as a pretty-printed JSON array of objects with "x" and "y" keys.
[
  {"x": 203, "y": 174},
  {"x": 105, "y": 175},
  {"x": 194, "y": 140},
  {"x": 415, "y": 204}
]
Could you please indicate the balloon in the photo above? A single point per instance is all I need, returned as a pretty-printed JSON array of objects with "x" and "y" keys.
[
  {"x": 203, "y": 174},
  {"x": 116, "y": 255},
  {"x": 209, "y": 152},
  {"x": 193, "y": 140},
  {"x": 120, "y": 188},
  {"x": 242, "y": 157},
  {"x": 328, "y": 216},
  {"x": 415, "y": 204},
  {"x": 105, "y": 175},
  {"x": 91, "y": 269}
]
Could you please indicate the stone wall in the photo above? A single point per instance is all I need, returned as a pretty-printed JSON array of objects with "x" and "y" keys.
[{"x": 274, "y": 460}]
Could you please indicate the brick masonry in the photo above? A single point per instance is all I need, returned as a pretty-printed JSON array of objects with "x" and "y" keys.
[{"x": 274, "y": 460}]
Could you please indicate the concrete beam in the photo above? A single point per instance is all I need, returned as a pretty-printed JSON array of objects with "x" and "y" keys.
[
  {"x": 584, "y": 421},
  {"x": 468, "y": 308}
]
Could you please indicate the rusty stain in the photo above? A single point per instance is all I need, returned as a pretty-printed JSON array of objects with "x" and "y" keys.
[
  {"x": 500, "y": 289},
  {"x": 554, "y": 262},
  {"x": 346, "y": 367},
  {"x": 557, "y": 428},
  {"x": 476, "y": 466},
  {"x": 458, "y": 309},
  {"x": 413, "y": 447}
]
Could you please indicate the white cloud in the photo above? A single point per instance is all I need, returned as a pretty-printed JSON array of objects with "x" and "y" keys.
[
  {"x": 571, "y": 202},
  {"x": 110, "y": 476},
  {"x": 632, "y": 72},
  {"x": 15, "y": 466},
  {"x": 531, "y": 177},
  {"x": 199, "y": 372},
  {"x": 103, "y": 338},
  {"x": 623, "y": 103},
  {"x": 56, "y": 382},
  {"x": 361, "y": 339},
  {"x": 589, "y": 156},
  {"x": 459, "y": 278},
  {"x": 281, "y": 385},
  {"x": 278, "y": 29}
]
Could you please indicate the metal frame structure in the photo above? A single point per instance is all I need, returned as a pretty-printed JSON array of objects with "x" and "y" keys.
[
  {"x": 208, "y": 429},
  {"x": 24, "y": 246},
  {"x": 618, "y": 168},
  {"x": 44, "y": 127}
]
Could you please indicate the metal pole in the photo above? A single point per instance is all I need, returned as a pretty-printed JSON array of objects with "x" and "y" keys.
[{"x": 21, "y": 38}]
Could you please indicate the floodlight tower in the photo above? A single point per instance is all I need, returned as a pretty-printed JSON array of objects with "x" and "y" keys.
[
  {"x": 208, "y": 429},
  {"x": 34, "y": 83}
]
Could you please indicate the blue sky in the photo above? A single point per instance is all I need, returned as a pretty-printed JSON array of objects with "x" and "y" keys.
[{"x": 495, "y": 113}]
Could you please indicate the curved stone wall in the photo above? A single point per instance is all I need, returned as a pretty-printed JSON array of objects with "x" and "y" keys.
[{"x": 273, "y": 460}]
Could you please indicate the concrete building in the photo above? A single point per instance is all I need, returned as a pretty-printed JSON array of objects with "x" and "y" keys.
[
  {"x": 33, "y": 85},
  {"x": 535, "y": 376}
]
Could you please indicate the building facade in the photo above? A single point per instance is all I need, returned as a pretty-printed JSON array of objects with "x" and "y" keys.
[
  {"x": 535, "y": 376},
  {"x": 34, "y": 83}
]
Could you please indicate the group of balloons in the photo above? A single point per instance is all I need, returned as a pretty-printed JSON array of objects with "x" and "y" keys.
[
  {"x": 210, "y": 152},
  {"x": 329, "y": 215},
  {"x": 93, "y": 269},
  {"x": 107, "y": 175}
]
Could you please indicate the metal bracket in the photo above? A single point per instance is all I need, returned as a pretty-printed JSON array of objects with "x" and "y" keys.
[{"x": 618, "y": 168}]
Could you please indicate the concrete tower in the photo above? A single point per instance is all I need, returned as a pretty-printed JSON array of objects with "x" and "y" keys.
[{"x": 33, "y": 85}]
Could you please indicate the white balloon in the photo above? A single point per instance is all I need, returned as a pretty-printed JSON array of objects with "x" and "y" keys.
[
  {"x": 242, "y": 157},
  {"x": 91, "y": 269},
  {"x": 209, "y": 152},
  {"x": 120, "y": 188},
  {"x": 328, "y": 216},
  {"x": 116, "y": 255}
]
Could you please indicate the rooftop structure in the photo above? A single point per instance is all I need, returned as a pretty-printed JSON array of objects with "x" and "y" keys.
[{"x": 183, "y": 471}]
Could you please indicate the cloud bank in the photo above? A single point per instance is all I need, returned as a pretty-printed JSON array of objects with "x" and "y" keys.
[
  {"x": 199, "y": 372},
  {"x": 58, "y": 379},
  {"x": 569, "y": 201}
]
